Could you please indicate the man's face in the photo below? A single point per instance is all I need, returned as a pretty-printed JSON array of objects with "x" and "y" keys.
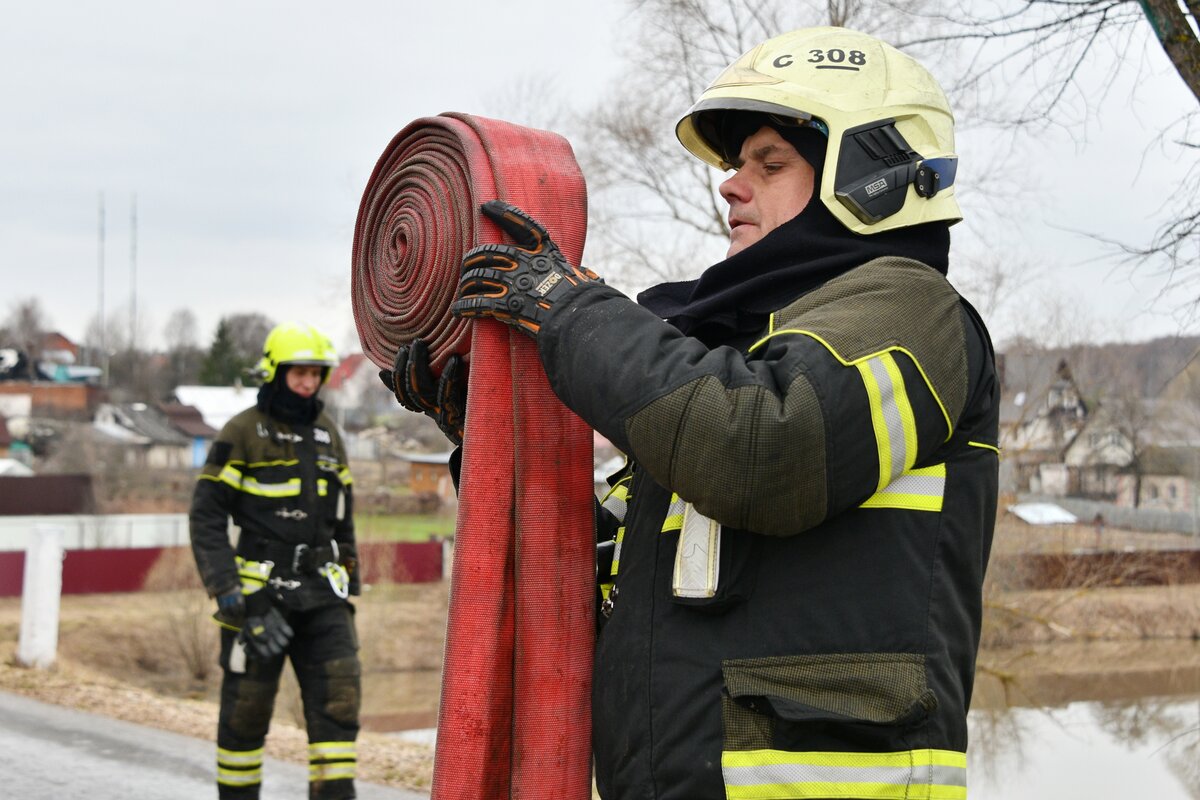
[
  {"x": 304, "y": 379},
  {"x": 773, "y": 183}
]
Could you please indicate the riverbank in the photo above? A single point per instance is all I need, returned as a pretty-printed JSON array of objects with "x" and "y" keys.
[{"x": 135, "y": 657}]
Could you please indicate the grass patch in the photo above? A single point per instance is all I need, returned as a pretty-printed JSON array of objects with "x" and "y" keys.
[{"x": 402, "y": 527}]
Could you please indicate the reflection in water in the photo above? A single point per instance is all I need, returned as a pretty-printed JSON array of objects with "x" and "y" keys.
[
  {"x": 1087, "y": 751},
  {"x": 1087, "y": 722}
]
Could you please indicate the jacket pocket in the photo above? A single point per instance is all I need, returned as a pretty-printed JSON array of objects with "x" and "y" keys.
[{"x": 833, "y": 725}]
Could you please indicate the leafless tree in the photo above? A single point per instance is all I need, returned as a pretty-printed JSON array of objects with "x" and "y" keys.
[
  {"x": 26, "y": 325},
  {"x": 1028, "y": 65}
]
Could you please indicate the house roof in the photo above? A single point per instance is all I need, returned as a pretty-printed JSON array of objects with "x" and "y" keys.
[
  {"x": 188, "y": 420},
  {"x": 217, "y": 404},
  {"x": 138, "y": 422},
  {"x": 345, "y": 370},
  {"x": 14, "y": 469},
  {"x": 1027, "y": 378}
]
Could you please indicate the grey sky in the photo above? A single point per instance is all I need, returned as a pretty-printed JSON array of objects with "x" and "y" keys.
[{"x": 248, "y": 131}]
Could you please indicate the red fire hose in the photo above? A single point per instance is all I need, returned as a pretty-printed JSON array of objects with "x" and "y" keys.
[{"x": 514, "y": 719}]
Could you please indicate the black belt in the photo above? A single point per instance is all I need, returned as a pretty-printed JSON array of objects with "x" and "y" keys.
[{"x": 301, "y": 559}]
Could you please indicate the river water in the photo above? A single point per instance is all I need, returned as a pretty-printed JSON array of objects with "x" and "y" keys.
[
  {"x": 1091, "y": 722},
  {"x": 1099, "y": 721}
]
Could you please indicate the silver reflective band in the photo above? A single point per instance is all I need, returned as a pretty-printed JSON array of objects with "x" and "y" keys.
[
  {"x": 812, "y": 780},
  {"x": 697, "y": 556},
  {"x": 892, "y": 417}
]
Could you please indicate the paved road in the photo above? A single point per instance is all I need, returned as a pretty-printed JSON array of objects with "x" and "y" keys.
[{"x": 54, "y": 753}]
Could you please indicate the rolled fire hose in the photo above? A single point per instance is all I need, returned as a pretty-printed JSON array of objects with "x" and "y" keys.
[{"x": 514, "y": 719}]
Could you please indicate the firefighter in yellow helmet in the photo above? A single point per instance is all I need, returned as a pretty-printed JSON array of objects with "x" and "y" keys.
[
  {"x": 795, "y": 549},
  {"x": 279, "y": 471}
]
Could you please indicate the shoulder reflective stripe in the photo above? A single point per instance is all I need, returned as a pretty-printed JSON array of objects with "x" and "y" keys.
[
  {"x": 891, "y": 416},
  {"x": 290, "y": 488},
  {"x": 231, "y": 476},
  {"x": 279, "y": 463},
  {"x": 984, "y": 446},
  {"x": 345, "y": 477},
  {"x": 777, "y": 775},
  {"x": 916, "y": 490},
  {"x": 847, "y": 363},
  {"x": 697, "y": 556},
  {"x": 674, "y": 519}
]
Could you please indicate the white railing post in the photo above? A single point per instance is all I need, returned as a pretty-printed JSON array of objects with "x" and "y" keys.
[{"x": 40, "y": 594}]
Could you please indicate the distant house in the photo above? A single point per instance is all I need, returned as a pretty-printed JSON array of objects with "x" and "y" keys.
[
  {"x": 188, "y": 421},
  {"x": 430, "y": 474},
  {"x": 145, "y": 434},
  {"x": 1042, "y": 412},
  {"x": 216, "y": 404}
]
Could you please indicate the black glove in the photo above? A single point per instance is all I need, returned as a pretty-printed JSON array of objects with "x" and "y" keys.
[
  {"x": 444, "y": 398},
  {"x": 266, "y": 635},
  {"x": 516, "y": 284},
  {"x": 231, "y": 607}
]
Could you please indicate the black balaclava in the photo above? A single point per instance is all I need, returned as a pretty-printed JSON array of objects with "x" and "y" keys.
[
  {"x": 729, "y": 303},
  {"x": 276, "y": 400}
]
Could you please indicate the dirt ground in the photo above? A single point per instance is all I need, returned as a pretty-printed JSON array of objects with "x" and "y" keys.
[{"x": 151, "y": 657}]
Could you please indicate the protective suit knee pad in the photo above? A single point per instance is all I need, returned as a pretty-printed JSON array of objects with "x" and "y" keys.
[
  {"x": 253, "y": 703},
  {"x": 343, "y": 677}
]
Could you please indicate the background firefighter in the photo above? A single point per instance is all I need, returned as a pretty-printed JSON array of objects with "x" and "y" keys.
[
  {"x": 279, "y": 471},
  {"x": 796, "y": 547}
]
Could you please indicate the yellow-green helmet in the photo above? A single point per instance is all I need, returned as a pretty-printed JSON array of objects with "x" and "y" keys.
[
  {"x": 890, "y": 160},
  {"x": 296, "y": 343}
]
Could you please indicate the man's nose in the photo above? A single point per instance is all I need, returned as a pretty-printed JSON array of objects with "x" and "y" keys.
[{"x": 735, "y": 187}]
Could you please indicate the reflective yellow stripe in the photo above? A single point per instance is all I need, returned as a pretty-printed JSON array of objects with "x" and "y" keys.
[
  {"x": 616, "y": 562},
  {"x": 985, "y": 446},
  {"x": 332, "y": 761},
  {"x": 916, "y": 490},
  {"x": 236, "y": 758},
  {"x": 331, "y": 772},
  {"x": 674, "y": 518},
  {"x": 239, "y": 767},
  {"x": 322, "y": 487},
  {"x": 345, "y": 477},
  {"x": 290, "y": 488},
  {"x": 231, "y": 476},
  {"x": 780, "y": 775},
  {"x": 280, "y": 463},
  {"x": 891, "y": 416},
  {"x": 254, "y": 574},
  {"x": 846, "y": 362},
  {"x": 228, "y": 777},
  {"x": 616, "y": 501},
  {"x": 339, "y": 750}
]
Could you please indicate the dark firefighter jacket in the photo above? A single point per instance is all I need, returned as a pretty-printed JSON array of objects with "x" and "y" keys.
[
  {"x": 288, "y": 488},
  {"x": 797, "y": 599}
]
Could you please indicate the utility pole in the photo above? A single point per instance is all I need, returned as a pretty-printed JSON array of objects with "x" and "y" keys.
[
  {"x": 133, "y": 274},
  {"x": 103, "y": 360}
]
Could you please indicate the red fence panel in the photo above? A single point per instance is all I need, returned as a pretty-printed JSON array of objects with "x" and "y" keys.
[{"x": 125, "y": 570}]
